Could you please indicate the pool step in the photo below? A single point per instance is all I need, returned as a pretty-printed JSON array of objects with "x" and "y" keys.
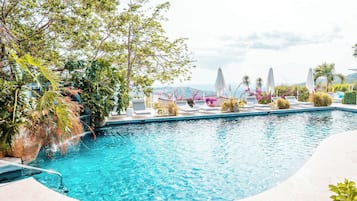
[{"x": 10, "y": 172}]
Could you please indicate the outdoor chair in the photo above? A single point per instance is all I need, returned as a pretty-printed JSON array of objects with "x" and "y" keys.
[
  {"x": 251, "y": 101},
  {"x": 184, "y": 107},
  {"x": 336, "y": 97},
  {"x": 294, "y": 102},
  {"x": 139, "y": 107},
  {"x": 202, "y": 105}
]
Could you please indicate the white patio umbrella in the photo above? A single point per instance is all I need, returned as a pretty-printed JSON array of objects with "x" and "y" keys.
[
  {"x": 270, "y": 83},
  {"x": 310, "y": 81},
  {"x": 220, "y": 83}
]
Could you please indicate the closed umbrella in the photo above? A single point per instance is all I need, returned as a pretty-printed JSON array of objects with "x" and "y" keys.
[
  {"x": 270, "y": 83},
  {"x": 220, "y": 83},
  {"x": 310, "y": 81}
]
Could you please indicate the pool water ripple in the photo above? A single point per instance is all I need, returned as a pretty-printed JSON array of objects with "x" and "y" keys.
[{"x": 216, "y": 159}]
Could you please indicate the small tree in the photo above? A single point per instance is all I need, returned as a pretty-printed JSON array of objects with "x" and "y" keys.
[
  {"x": 148, "y": 53},
  {"x": 328, "y": 71},
  {"x": 259, "y": 83},
  {"x": 246, "y": 82}
]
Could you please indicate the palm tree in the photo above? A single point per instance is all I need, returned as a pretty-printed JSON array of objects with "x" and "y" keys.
[
  {"x": 259, "y": 83},
  {"x": 246, "y": 82},
  {"x": 328, "y": 71}
]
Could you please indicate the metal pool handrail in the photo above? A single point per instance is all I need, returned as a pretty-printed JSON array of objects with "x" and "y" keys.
[{"x": 61, "y": 186}]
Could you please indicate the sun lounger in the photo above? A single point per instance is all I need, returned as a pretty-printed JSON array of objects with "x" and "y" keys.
[
  {"x": 202, "y": 105},
  {"x": 140, "y": 107},
  {"x": 336, "y": 97},
  {"x": 294, "y": 102},
  {"x": 252, "y": 102},
  {"x": 184, "y": 107}
]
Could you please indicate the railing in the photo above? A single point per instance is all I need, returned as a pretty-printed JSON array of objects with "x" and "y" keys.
[{"x": 61, "y": 186}]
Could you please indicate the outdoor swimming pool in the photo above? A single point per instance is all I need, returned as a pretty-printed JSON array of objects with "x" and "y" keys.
[{"x": 215, "y": 159}]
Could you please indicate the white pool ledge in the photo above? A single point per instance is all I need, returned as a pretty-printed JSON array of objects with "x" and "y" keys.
[{"x": 333, "y": 160}]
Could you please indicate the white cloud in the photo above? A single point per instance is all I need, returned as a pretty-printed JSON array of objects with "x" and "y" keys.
[{"x": 248, "y": 37}]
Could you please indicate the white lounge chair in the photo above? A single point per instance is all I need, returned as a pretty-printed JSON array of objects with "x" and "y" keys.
[
  {"x": 184, "y": 107},
  {"x": 336, "y": 97},
  {"x": 251, "y": 101},
  {"x": 140, "y": 107},
  {"x": 294, "y": 102},
  {"x": 202, "y": 105}
]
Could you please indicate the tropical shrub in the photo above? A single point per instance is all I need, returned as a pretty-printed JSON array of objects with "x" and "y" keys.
[
  {"x": 211, "y": 101},
  {"x": 345, "y": 191},
  {"x": 264, "y": 98},
  {"x": 58, "y": 118},
  {"x": 349, "y": 98},
  {"x": 172, "y": 108},
  {"x": 232, "y": 105},
  {"x": 281, "y": 103},
  {"x": 167, "y": 108},
  {"x": 321, "y": 99}
]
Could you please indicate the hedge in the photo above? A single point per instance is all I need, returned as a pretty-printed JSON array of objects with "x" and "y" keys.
[{"x": 349, "y": 98}]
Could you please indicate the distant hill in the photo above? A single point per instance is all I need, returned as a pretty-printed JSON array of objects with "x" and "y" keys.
[{"x": 351, "y": 78}]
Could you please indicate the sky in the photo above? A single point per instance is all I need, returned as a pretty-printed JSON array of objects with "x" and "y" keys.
[{"x": 248, "y": 37}]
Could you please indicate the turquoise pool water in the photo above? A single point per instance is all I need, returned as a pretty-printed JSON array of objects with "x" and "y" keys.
[{"x": 216, "y": 159}]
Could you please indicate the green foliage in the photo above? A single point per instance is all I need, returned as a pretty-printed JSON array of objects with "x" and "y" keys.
[
  {"x": 345, "y": 191},
  {"x": 130, "y": 36},
  {"x": 10, "y": 118},
  {"x": 340, "y": 87},
  {"x": 98, "y": 85},
  {"x": 349, "y": 98},
  {"x": 282, "y": 103},
  {"x": 321, "y": 99},
  {"x": 52, "y": 117}
]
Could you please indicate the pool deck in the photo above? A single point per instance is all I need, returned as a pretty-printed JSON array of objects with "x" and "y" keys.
[
  {"x": 334, "y": 159},
  {"x": 30, "y": 190}
]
